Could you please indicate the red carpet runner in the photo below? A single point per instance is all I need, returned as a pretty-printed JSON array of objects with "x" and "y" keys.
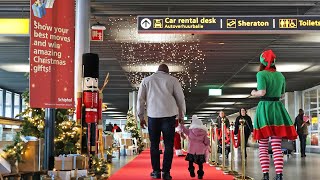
[{"x": 140, "y": 169}]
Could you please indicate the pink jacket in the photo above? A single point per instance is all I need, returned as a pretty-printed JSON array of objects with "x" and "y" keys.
[{"x": 198, "y": 140}]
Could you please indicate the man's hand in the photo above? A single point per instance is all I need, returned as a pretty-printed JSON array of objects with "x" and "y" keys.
[
  {"x": 143, "y": 123},
  {"x": 181, "y": 121}
]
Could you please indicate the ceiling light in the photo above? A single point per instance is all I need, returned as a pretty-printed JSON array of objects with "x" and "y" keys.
[
  {"x": 221, "y": 103},
  {"x": 116, "y": 115},
  {"x": 217, "y": 108},
  {"x": 206, "y": 112},
  {"x": 221, "y": 43},
  {"x": 243, "y": 85},
  {"x": 235, "y": 96},
  {"x": 215, "y": 92},
  {"x": 204, "y": 115},
  {"x": 111, "y": 112},
  {"x": 152, "y": 68},
  {"x": 291, "y": 67},
  {"x": 15, "y": 67}
]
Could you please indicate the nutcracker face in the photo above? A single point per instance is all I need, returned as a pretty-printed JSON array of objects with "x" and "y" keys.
[{"x": 90, "y": 84}]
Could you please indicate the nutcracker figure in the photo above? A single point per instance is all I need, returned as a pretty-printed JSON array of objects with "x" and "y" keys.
[
  {"x": 89, "y": 103},
  {"x": 177, "y": 140}
]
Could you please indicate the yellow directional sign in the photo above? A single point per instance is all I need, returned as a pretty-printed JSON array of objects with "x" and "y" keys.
[
  {"x": 158, "y": 23},
  {"x": 231, "y": 23},
  {"x": 288, "y": 23}
]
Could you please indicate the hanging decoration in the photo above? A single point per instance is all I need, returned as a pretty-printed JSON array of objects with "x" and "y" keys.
[{"x": 140, "y": 54}]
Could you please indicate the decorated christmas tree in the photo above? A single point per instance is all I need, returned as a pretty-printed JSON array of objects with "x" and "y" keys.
[
  {"x": 132, "y": 127},
  {"x": 13, "y": 152},
  {"x": 67, "y": 132}
]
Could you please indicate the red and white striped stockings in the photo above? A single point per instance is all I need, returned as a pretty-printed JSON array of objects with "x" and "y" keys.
[{"x": 277, "y": 154}]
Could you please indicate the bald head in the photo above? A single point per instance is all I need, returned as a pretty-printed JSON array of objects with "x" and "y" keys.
[{"x": 163, "y": 68}]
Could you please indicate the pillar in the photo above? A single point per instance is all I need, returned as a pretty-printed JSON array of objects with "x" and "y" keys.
[{"x": 82, "y": 40}]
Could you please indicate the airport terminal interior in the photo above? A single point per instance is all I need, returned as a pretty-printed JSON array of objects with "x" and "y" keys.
[{"x": 70, "y": 73}]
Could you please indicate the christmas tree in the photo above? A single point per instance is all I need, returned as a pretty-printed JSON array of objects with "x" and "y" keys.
[
  {"x": 132, "y": 127},
  {"x": 67, "y": 132},
  {"x": 13, "y": 153}
]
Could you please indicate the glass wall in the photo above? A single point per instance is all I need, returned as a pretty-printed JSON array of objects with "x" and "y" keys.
[
  {"x": 311, "y": 106},
  {"x": 16, "y": 109},
  {"x": 8, "y": 109},
  {"x": 10, "y": 104},
  {"x": 1, "y": 102}
]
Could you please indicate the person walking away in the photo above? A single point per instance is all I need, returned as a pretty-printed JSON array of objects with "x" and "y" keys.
[
  {"x": 164, "y": 98},
  {"x": 272, "y": 119},
  {"x": 248, "y": 127},
  {"x": 301, "y": 123},
  {"x": 198, "y": 145}
]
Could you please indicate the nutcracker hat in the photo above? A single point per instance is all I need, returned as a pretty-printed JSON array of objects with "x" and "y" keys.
[
  {"x": 197, "y": 123},
  {"x": 90, "y": 63},
  {"x": 268, "y": 58}
]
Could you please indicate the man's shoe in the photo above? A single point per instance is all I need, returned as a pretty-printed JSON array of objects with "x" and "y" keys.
[
  {"x": 166, "y": 176},
  {"x": 278, "y": 177},
  {"x": 156, "y": 175},
  {"x": 265, "y": 176}
]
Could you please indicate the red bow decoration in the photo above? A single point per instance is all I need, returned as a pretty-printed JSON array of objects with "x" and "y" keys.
[{"x": 269, "y": 57}]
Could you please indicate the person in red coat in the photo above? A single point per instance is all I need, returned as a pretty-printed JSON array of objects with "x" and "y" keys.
[{"x": 177, "y": 141}]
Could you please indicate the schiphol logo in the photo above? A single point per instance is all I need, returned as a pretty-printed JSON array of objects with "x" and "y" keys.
[{"x": 145, "y": 23}]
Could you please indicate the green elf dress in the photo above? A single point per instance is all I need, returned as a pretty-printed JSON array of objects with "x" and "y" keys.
[{"x": 272, "y": 119}]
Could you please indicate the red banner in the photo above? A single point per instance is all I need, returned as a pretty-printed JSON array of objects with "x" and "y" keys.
[{"x": 52, "y": 53}]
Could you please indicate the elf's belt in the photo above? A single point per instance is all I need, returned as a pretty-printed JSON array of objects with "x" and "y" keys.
[{"x": 270, "y": 99}]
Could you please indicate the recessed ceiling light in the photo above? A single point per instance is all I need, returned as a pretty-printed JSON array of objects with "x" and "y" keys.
[
  {"x": 235, "y": 96},
  {"x": 111, "y": 112},
  {"x": 243, "y": 85},
  {"x": 116, "y": 115},
  {"x": 206, "y": 112},
  {"x": 221, "y": 103},
  {"x": 216, "y": 108},
  {"x": 15, "y": 67},
  {"x": 221, "y": 43},
  {"x": 291, "y": 67}
]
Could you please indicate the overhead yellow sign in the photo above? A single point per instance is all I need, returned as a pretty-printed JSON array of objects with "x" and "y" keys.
[{"x": 14, "y": 26}]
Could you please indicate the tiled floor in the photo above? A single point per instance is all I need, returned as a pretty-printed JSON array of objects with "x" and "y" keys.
[{"x": 294, "y": 167}]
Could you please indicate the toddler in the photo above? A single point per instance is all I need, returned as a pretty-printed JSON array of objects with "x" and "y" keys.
[{"x": 198, "y": 145}]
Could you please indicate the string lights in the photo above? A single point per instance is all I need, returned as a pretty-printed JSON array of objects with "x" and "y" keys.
[{"x": 145, "y": 50}]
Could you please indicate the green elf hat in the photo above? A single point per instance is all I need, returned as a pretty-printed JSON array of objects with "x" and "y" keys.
[{"x": 268, "y": 58}]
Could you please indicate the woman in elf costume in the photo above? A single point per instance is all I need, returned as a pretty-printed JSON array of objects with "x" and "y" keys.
[{"x": 272, "y": 119}]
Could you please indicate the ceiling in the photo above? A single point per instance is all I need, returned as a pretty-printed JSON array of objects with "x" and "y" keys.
[{"x": 230, "y": 59}]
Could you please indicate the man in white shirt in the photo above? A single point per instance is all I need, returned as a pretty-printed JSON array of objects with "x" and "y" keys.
[{"x": 163, "y": 96}]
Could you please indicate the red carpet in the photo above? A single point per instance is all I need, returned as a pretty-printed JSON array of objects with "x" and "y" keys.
[{"x": 140, "y": 169}]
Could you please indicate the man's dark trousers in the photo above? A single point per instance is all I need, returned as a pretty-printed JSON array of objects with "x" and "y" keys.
[
  {"x": 167, "y": 127},
  {"x": 303, "y": 139}
]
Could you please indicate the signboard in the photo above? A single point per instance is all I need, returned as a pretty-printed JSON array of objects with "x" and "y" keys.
[
  {"x": 96, "y": 35},
  {"x": 52, "y": 53},
  {"x": 231, "y": 24}
]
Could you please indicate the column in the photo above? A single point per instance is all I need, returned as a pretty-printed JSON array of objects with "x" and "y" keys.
[{"x": 82, "y": 40}]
